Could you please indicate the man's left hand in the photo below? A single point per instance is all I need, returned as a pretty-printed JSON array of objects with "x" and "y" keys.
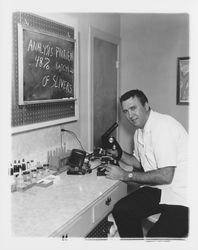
[{"x": 114, "y": 172}]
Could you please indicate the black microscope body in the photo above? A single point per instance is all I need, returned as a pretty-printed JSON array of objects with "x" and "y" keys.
[{"x": 108, "y": 144}]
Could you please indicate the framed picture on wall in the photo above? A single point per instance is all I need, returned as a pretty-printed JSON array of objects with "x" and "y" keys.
[{"x": 183, "y": 80}]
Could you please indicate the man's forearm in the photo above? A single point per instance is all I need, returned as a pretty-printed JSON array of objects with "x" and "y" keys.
[{"x": 154, "y": 177}]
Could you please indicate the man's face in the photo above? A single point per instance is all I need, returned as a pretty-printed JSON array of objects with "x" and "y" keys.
[{"x": 136, "y": 113}]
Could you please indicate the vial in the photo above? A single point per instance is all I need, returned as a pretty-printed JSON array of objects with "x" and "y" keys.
[
  {"x": 46, "y": 169},
  {"x": 28, "y": 178},
  {"x": 39, "y": 171},
  {"x": 24, "y": 174},
  {"x": 33, "y": 170},
  {"x": 28, "y": 165},
  {"x": 23, "y": 165},
  {"x": 12, "y": 179},
  {"x": 34, "y": 175},
  {"x": 32, "y": 164},
  {"x": 20, "y": 181},
  {"x": 15, "y": 168},
  {"x": 19, "y": 165}
]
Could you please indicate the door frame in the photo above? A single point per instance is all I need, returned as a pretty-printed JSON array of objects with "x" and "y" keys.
[{"x": 96, "y": 33}]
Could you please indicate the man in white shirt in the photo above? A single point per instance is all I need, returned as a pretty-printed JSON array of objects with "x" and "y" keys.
[{"x": 159, "y": 165}]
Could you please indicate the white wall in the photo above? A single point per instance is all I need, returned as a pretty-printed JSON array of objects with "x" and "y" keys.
[{"x": 150, "y": 46}]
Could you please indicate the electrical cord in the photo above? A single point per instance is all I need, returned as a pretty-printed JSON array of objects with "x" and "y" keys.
[{"x": 75, "y": 136}]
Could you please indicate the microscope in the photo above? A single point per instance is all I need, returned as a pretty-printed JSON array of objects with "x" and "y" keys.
[{"x": 108, "y": 142}]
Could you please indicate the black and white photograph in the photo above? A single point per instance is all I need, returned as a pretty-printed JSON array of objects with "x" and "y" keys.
[{"x": 98, "y": 128}]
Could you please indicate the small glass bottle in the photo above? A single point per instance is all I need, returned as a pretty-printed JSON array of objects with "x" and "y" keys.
[
  {"x": 10, "y": 169},
  {"x": 32, "y": 164},
  {"x": 46, "y": 169},
  {"x": 15, "y": 172},
  {"x": 19, "y": 165},
  {"x": 39, "y": 171},
  {"x": 28, "y": 165},
  {"x": 20, "y": 181},
  {"x": 33, "y": 175},
  {"x": 42, "y": 171},
  {"x": 33, "y": 171},
  {"x": 15, "y": 168},
  {"x": 28, "y": 178},
  {"x": 12, "y": 179},
  {"x": 23, "y": 165},
  {"x": 24, "y": 174}
]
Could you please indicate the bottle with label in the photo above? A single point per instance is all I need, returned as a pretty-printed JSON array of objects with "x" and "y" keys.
[
  {"x": 15, "y": 168},
  {"x": 20, "y": 182},
  {"x": 28, "y": 178},
  {"x": 23, "y": 165},
  {"x": 28, "y": 165},
  {"x": 12, "y": 179},
  {"x": 39, "y": 168},
  {"x": 19, "y": 165},
  {"x": 46, "y": 169},
  {"x": 31, "y": 164},
  {"x": 33, "y": 171},
  {"x": 24, "y": 174}
]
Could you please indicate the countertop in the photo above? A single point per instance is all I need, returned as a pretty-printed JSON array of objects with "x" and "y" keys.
[{"x": 39, "y": 211}]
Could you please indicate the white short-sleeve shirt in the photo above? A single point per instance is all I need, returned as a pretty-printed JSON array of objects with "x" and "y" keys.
[{"x": 162, "y": 143}]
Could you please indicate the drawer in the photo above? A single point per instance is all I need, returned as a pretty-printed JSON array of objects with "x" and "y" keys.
[
  {"x": 105, "y": 205},
  {"x": 78, "y": 227}
]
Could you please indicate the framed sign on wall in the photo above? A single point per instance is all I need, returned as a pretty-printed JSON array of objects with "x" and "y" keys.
[{"x": 46, "y": 66}]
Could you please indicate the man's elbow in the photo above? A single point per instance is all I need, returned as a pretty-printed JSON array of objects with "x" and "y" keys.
[
  {"x": 167, "y": 181},
  {"x": 168, "y": 175}
]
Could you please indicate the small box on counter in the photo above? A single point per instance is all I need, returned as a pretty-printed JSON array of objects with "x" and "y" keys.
[{"x": 44, "y": 183}]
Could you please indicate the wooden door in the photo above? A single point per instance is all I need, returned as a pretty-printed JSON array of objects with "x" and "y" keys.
[{"x": 105, "y": 85}]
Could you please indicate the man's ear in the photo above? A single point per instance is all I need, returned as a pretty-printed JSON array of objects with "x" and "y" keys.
[{"x": 146, "y": 105}]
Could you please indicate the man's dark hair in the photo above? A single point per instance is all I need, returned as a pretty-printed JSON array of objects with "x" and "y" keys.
[{"x": 132, "y": 93}]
